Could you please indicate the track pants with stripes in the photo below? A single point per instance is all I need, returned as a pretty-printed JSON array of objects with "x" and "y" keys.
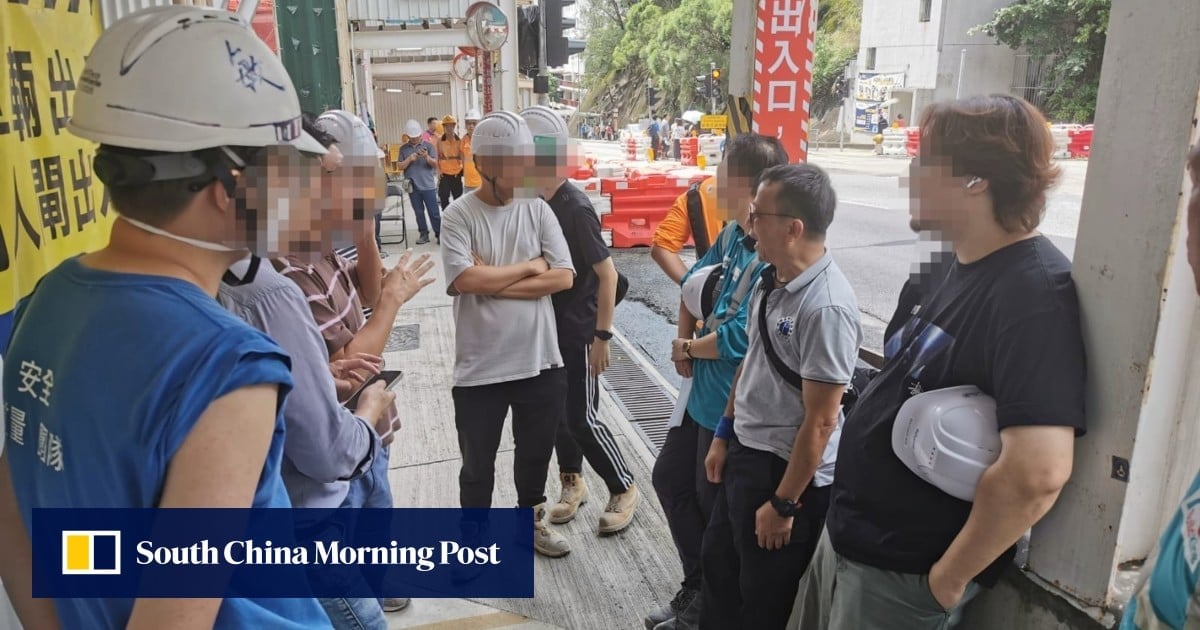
[{"x": 582, "y": 434}]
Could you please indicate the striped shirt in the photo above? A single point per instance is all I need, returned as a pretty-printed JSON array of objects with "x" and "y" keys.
[{"x": 330, "y": 287}]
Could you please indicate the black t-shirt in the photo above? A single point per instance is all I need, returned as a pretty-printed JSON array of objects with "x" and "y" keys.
[
  {"x": 575, "y": 308},
  {"x": 1008, "y": 324}
]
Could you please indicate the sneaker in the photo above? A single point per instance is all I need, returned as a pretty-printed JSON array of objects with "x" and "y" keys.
[
  {"x": 618, "y": 514},
  {"x": 422, "y": 239},
  {"x": 545, "y": 540},
  {"x": 574, "y": 494},
  {"x": 681, "y": 601},
  {"x": 393, "y": 604}
]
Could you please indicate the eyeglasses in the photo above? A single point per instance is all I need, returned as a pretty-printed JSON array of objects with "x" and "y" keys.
[{"x": 754, "y": 215}]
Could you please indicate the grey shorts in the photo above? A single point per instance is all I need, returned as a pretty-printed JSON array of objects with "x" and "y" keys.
[{"x": 838, "y": 594}]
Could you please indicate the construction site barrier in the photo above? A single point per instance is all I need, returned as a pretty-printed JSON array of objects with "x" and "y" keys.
[
  {"x": 689, "y": 148},
  {"x": 639, "y": 205},
  {"x": 1080, "y": 145},
  {"x": 895, "y": 142},
  {"x": 913, "y": 141},
  {"x": 710, "y": 148}
]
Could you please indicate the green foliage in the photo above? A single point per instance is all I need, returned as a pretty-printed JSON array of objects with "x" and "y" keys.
[
  {"x": 1073, "y": 34},
  {"x": 839, "y": 23}
]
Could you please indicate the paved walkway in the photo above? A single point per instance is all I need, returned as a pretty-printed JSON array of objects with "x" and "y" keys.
[{"x": 604, "y": 583}]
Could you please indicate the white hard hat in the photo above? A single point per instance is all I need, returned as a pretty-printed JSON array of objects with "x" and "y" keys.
[
  {"x": 699, "y": 290},
  {"x": 545, "y": 122},
  {"x": 413, "y": 129},
  {"x": 502, "y": 134},
  {"x": 948, "y": 437},
  {"x": 175, "y": 79},
  {"x": 353, "y": 137},
  {"x": 472, "y": 115}
]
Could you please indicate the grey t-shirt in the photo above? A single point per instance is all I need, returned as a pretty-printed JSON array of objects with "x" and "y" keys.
[
  {"x": 499, "y": 339},
  {"x": 325, "y": 446},
  {"x": 423, "y": 176},
  {"x": 815, "y": 329}
]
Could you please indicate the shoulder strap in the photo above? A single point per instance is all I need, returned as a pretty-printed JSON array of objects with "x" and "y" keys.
[
  {"x": 695, "y": 211},
  {"x": 745, "y": 281},
  {"x": 788, "y": 374}
]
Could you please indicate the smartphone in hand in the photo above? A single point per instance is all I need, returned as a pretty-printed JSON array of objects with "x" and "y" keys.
[{"x": 391, "y": 377}]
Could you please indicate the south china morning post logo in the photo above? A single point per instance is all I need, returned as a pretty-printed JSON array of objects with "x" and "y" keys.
[
  {"x": 283, "y": 553},
  {"x": 91, "y": 552}
]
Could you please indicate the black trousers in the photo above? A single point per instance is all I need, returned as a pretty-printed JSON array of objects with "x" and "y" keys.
[
  {"x": 746, "y": 586},
  {"x": 449, "y": 185},
  {"x": 537, "y": 404},
  {"x": 686, "y": 495},
  {"x": 582, "y": 434}
]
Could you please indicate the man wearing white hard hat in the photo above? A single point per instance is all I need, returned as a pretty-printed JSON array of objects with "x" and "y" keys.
[
  {"x": 504, "y": 256},
  {"x": 419, "y": 161},
  {"x": 170, "y": 401},
  {"x": 583, "y": 315},
  {"x": 775, "y": 449},
  {"x": 998, "y": 312}
]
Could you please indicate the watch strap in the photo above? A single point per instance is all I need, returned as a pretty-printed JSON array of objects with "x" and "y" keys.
[{"x": 604, "y": 335}]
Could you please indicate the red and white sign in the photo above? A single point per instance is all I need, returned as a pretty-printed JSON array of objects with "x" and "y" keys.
[
  {"x": 485, "y": 59},
  {"x": 783, "y": 67},
  {"x": 263, "y": 23}
]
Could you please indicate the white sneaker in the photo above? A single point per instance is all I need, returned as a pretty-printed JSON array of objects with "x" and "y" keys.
[{"x": 546, "y": 541}]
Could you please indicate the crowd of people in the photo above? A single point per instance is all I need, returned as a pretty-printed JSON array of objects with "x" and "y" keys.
[{"x": 164, "y": 360}]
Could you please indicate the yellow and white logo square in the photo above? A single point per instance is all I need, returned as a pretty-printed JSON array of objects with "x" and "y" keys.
[{"x": 91, "y": 553}]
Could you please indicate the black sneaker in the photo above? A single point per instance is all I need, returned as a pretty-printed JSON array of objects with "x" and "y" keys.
[
  {"x": 678, "y": 604},
  {"x": 423, "y": 239}
]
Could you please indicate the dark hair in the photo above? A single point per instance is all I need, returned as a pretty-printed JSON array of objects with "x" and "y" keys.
[
  {"x": 1003, "y": 140},
  {"x": 309, "y": 122},
  {"x": 804, "y": 192},
  {"x": 749, "y": 154},
  {"x": 157, "y": 202},
  {"x": 430, "y": 119}
]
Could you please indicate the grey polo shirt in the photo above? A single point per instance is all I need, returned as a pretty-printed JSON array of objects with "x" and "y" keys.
[
  {"x": 423, "y": 176},
  {"x": 500, "y": 339},
  {"x": 815, "y": 329},
  {"x": 325, "y": 445}
]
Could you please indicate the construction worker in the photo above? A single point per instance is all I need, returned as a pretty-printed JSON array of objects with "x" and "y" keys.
[
  {"x": 471, "y": 179},
  {"x": 693, "y": 216},
  {"x": 450, "y": 162},
  {"x": 172, "y": 402}
]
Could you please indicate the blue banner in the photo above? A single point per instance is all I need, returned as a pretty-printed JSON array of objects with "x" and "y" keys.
[{"x": 282, "y": 553}]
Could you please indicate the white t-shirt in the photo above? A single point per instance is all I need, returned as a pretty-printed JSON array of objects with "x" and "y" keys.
[{"x": 500, "y": 339}]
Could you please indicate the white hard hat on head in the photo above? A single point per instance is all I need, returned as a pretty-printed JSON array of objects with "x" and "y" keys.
[
  {"x": 237, "y": 92},
  {"x": 413, "y": 129},
  {"x": 948, "y": 437},
  {"x": 699, "y": 290},
  {"x": 353, "y": 137},
  {"x": 502, "y": 134},
  {"x": 472, "y": 115},
  {"x": 545, "y": 122}
]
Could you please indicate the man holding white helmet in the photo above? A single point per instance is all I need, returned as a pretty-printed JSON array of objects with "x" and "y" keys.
[
  {"x": 774, "y": 450},
  {"x": 171, "y": 402},
  {"x": 419, "y": 161},
  {"x": 999, "y": 313},
  {"x": 504, "y": 256},
  {"x": 583, "y": 315}
]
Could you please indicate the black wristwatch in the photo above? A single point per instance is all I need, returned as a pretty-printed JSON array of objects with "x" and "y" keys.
[
  {"x": 603, "y": 335},
  {"x": 785, "y": 507}
]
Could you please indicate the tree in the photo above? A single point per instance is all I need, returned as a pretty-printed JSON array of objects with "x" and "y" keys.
[
  {"x": 838, "y": 25},
  {"x": 1070, "y": 33}
]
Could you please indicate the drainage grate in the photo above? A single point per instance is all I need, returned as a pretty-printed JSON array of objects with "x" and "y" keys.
[
  {"x": 642, "y": 400},
  {"x": 404, "y": 337}
]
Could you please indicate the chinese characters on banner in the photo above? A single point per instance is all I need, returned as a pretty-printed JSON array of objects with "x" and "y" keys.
[
  {"x": 783, "y": 66},
  {"x": 51, "y": 205}
]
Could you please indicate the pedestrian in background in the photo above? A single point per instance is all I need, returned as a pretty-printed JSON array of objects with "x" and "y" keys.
[
  {"x": 450, "y": 163},
  {"x": 418, "y": 160}
]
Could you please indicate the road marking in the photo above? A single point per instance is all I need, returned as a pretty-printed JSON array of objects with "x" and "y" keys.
[
  {"x": 867, "y": 205},
  {"x": 478, "y": 622}
]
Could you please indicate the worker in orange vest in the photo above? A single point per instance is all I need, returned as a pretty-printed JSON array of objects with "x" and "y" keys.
[
  {"x": 471, "y": 179},
  {"x": 450, "y": 162}
]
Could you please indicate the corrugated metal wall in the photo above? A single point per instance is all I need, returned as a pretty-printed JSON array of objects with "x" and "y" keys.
[
  {"x": 308, "y": 44},
  {"x": 393, "y": 110},
  {"x": 407, "y": 9}
]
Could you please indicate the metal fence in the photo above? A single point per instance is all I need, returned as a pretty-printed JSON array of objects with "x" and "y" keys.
[{"x": 1033, "y": 78}]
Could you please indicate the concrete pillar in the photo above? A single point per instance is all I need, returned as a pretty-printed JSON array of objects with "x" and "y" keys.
[
  {"x": 509, "y": 72},
  {"x": 1130, "y": 220},
  {"x": 345, "y": 56}
]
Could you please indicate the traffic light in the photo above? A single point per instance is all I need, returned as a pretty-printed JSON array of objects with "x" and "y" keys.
[
  {"x": 652, "y": 98},
  {"x": 529, "y": 29},
  {"x": 559, "y": 48},
  {"x": 704, "y": 85},
  {"x": 714, "y": 91}
]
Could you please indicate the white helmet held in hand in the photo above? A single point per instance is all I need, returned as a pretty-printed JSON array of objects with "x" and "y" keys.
[
  {"x": 176, "y": 79},
  {"x": 948, "y": 437},
  {"x": 699, "y": 290}
]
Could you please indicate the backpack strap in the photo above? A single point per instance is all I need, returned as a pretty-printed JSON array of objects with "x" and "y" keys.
[
  {"x": 695, "y": 211},
  {"x": 745, "y": 281}
]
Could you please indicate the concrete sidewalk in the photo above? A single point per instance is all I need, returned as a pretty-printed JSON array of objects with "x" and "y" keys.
[{"x": 605, "y": 583}]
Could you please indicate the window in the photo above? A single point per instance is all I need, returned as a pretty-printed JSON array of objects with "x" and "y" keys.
[
  {"x": 870, "y": 59},
  {"x": 926, "y": 9}
]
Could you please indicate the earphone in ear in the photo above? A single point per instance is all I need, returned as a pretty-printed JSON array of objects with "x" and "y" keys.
[{"x": 974, "y": 182}]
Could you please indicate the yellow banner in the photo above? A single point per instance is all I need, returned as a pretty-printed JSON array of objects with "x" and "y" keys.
[
  {"x": 714, "y": 121},
  {"x": 52, "y": 206}
]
